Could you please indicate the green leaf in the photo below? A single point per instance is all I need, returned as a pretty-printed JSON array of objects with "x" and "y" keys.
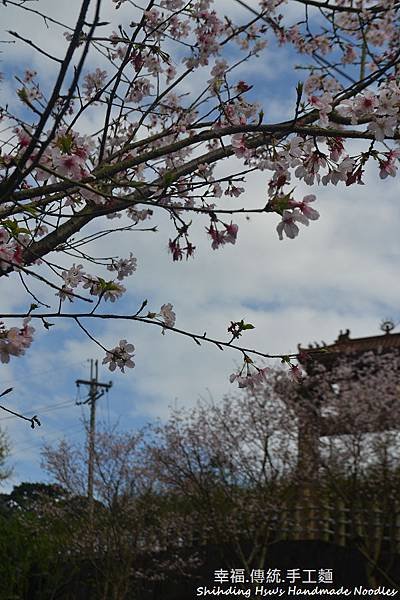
[
  {"x": 13, "y": 228},
  {"x": 65, "y": 143},
  {"x": 107, "y": 286},
  {"x": 31, "y": 210},
  {"x": 168, "y": 178},
  {"x": 280, "y": 204},
  {"x": 22, "y": 94}
]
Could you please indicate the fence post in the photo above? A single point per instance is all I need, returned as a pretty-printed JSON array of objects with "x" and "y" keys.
[
  {"x": 341, "y": 523},
  {"x": 397, "y": 528},
  {"x": 325, "y": 522}
]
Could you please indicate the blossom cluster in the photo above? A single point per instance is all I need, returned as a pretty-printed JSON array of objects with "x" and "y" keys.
[
  {"x": 120, "y": 356},
  {"x": 220, "y": 237},
  {"x": 97, "y": 286},
  {"x": 158, "y": 146},
  {"x": 250, "y": 380},
  {"x": 11, "y": 249},
  {"x": 166, "y": 316},
  {"x": 14, "y": 341},
  {"x": 124, "y": 266},
  {"x": 66, "y": 157}
]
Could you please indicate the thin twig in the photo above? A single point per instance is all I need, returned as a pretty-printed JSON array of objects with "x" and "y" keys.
[{"x": 32, "y": 420}]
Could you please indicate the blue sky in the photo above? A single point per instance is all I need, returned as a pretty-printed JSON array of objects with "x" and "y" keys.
[{"x": 341, "y": 272}]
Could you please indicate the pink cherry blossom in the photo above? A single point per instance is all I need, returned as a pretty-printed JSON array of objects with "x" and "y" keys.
[
  {"x": 218, "y": 237},
  {"x": 288, "y": 223},
  {"x": 124, "y": 266},
  {"x": 74, "y": 276},
  {"x": 296, "y": 373},
  {"x": 120, "y": 356},
  {"x": 389, "y": 166},
  {"x": 65, "y": 293},
  {"x": 322, "y": 103},
  {"x": 68, "y": 165},
  {"x": 167, "y": 314},
  {"x": 304, "y": 207},
  {"x": 238, "y": 143},
  {"x": 231, "y": 232},
  {"x": 15, "y": 341},
  {"x": 94, "y": 82},
  {"x": 383, "y": 127},
  {"x": 251, "y": 380}
]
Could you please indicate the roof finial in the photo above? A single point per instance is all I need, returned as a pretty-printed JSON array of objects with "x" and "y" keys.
[
  {"x": 342, "y": 337},
  {"x": 387, "y": 325}
]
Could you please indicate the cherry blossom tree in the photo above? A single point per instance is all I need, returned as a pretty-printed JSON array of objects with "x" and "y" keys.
[
  {"x": 348, "y": 407},
  {"x": 348, "y": 447},
  {"x": 234, "y": 462},
  {"x": 209, "y": 476},
  {"x": 265, "y": 464},
  {"x": 134, "y": 537},
  {"x": 168, "y": 110},
  {"x": 235, "y": 474}
]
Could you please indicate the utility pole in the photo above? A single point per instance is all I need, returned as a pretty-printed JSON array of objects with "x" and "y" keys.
[{"x": 94, "y": 395}]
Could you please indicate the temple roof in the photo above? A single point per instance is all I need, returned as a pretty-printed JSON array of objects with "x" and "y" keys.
[{"x": 344, "y": 344}]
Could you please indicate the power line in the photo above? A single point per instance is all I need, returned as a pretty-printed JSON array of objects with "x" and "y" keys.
[
  {"x": 45, "y": 409},
  {"x": 37, "y": 374},
  {"x": 19, "y": 449}
]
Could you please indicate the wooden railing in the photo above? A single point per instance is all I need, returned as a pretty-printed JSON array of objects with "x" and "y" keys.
[{"x": 336, "y": 523}]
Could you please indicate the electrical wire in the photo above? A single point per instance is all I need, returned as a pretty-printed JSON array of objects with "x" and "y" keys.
[
  {"x": 18, "y": 449},
  {"x": 37, "y": 374},
  {"x": 44, "y": 409}
]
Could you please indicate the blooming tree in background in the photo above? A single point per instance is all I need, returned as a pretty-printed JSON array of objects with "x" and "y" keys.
[
  {"x": 252, "y": 441},
  {"x": 170, "y": 109},
  {"x": 245, "y": 467},
  {"x": 233, "y": 473},
  {"x": 133, "y": 522},
  {"x": 350, "y": 406}
]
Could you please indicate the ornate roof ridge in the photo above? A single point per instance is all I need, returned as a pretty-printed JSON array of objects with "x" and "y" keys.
[{"x": 344, "y": 343}]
